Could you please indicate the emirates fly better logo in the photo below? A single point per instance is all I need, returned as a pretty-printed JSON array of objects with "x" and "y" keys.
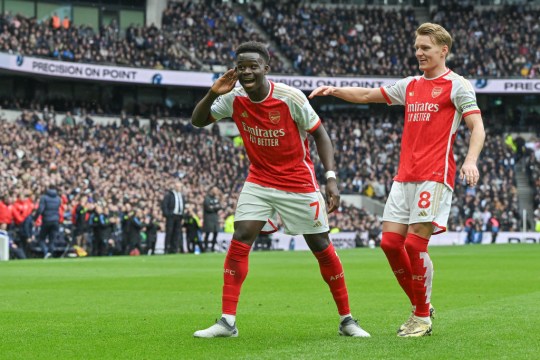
[{"x": 421, "y": 111}]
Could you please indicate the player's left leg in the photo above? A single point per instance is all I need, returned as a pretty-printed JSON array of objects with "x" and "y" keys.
[
  {"x": 305, "y": 213},
  {"x": 416, "y": 245}
]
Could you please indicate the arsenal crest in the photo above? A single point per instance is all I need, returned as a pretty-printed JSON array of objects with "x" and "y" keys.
[
  {"x": 274, "y": 117},
  {"x": 436, "y": 91}
]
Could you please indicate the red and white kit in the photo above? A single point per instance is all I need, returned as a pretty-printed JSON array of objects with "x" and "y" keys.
[
  {"x": 433, "y": 110},
  {"x": 275, "y": 133}
]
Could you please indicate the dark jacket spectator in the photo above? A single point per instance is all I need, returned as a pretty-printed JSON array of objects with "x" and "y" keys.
[
  {"x": 49, "y": 207},
  {"x": 211, "y": 208}
]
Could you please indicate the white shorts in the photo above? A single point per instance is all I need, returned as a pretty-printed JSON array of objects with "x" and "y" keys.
[
  {"x": 419, "y": 202},
  {"x": 301, "y": 213}
]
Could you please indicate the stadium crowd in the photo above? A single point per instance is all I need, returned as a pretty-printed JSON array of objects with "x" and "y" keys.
[
  {"x": 211, "y": 33},
  {"x": 193, "y": 37},
  {"x": 503, "y": 42},
  {"x": 533, "y": 171},
  {"x": 340, "y": 40},
  {"x": 125, "y": 169},
  {"x": 316, "y": 39}
]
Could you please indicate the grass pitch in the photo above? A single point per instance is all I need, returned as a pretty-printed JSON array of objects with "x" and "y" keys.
[{"x": 487, "y": 300}]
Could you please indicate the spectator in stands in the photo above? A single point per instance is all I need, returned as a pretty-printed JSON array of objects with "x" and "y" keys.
[
  {"x": 81, "y": 221},
  {"x": 173, "y": 205},
  {"x": 192, "y": 223},
  {"x": 55, "y": 21},
  {"x": 317, "y": 39},
  {"x": 212, "y": 206},
  {"x": 494, "y": 228},
  {"x": 143, "y": 166},
  {"x": 49, "y": 207},
  {"x": 151, "y": 228},
  {"x": 66, "y": 22},
  {"x": 99, "y": 222},
  {"x": 133, "y": 232}
]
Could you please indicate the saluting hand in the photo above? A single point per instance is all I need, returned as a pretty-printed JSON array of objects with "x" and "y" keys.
[{"x": 225, "y": 83}]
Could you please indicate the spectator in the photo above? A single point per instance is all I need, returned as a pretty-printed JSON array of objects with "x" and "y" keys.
[
  {"x": 55, "y": 21},
  {"x": 66, "y": 23},
  {"x": 99, "y": 222},
  {"x": 211, "y": 219},
  {"x": 49, "y": 207},
  {"x": 172, "y": 206},
  {"x": 494, "y": 228},
  {"x": 192, "y": 223}
]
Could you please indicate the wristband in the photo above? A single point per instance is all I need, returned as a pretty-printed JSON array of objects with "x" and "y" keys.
[{"x": 330, "y": 174}]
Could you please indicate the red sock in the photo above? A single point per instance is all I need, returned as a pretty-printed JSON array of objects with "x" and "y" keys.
[
  {"x": 234, "y": 274},
  {"x": 332, "y": 273},
  {"x": 422, "y": 272},
  {"x": 393, "y": 245}
]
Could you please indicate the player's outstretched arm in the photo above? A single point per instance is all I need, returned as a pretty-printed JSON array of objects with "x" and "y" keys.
[
  {"x": 201, "y": 113},
  {"x": 326, "y": 154},
  {"x": 469, "y": 170},
  {"x": 351, "y": 94}
]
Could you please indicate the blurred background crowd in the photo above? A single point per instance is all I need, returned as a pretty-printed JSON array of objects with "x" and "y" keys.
[
  {"x": 122, "y": 171},
  {"x": 314, "y": 39},
  {"x": 112, "y": 180}
]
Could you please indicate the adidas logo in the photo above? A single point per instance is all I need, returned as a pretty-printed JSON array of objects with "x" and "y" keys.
[
  {"x": 317, "y": 224},
  {"x": 423, "y": 213},
  {"x": 244, "y": 114}
]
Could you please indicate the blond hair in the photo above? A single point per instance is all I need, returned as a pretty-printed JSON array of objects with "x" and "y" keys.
[{"x": 437, "y": 34}]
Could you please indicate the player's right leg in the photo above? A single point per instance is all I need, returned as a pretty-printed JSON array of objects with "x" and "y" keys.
[
  {"x": 235, "y": 271},
  {"x": 395, "y": 226},
  {"x": 250, "y": 212}
]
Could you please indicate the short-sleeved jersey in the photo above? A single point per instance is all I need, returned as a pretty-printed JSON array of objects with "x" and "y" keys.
[
  {"x": 274, "y": 131},
  {"x": 433, "y": 111}
]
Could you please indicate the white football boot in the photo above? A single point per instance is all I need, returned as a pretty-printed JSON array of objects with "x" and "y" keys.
[
  {"x": 220, "y": 329},
  {"x": 350, "y": 327}
]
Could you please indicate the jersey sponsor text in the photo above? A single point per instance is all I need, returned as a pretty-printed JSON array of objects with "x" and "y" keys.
[{"x": 263, "y": 137}]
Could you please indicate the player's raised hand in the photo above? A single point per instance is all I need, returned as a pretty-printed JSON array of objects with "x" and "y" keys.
[
  {"x": 332, "y": 195},
  {"x": 225, "y": 83},
  {"x": 469, "y": 173},
  {"x": 322, "y": 91}
]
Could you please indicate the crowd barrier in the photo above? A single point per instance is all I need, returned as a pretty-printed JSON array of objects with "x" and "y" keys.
[{"x": 347, "y": 240}]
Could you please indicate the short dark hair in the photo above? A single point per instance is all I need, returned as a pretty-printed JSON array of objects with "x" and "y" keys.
[{"x": 255, "y": 47}]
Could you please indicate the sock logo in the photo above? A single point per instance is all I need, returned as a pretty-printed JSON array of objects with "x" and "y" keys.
[
  {"x": 418, "y": 277},
  {"x": 338, "y": 276},
  {"x": 230, "y": 272},
  {"x": 399, "y": 271}
]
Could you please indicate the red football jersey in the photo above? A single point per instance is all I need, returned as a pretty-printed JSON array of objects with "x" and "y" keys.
[
  {"x": 274, "y": 131},
  {"x": 433, "y": 111}
]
